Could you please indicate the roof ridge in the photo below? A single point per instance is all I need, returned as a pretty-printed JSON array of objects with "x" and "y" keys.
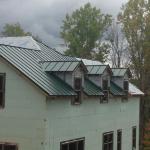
[{"x": 20, "y": 47}]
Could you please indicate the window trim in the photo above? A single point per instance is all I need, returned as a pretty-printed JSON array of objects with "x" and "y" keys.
[
  {"x": 3, "y": 90},
  {"x": 107, "y": 133},
  {"x": 72, "y": 141},
  {"x": 119, "y": 142}
]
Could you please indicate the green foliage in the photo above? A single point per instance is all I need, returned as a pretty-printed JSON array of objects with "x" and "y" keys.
[
  {"x": 135, "y": 17},
  {"x": 14, "y": 30},
  {"x": 82, "y": 31}
]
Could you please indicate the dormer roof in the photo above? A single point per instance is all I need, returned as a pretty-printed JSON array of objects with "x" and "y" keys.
[
  {"x": 120, "y": 72},
  {"x": 62, "y": 66},
  {"x": 31, "y": 62},
  {"x": 97, "y": 69}
]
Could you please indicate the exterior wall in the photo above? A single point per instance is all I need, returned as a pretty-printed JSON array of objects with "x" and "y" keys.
[
  {"x": 90, "y": 120},
  {"x": 22, "y": 121},
  {"x": 35, "y": 123}
]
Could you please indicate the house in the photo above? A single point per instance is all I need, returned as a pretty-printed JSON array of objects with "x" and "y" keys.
[{"x": 49, "y": 101}]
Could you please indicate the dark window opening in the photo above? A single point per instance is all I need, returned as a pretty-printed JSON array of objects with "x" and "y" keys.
[
  {"x": 126, "y": 85},
  {"x": 7, "y": 146},
  {"x": 105, "y": 97},
  {"x": 134, "y": 138},
  {"x": 78, "y": 90},
  {"x": 77, "y": 144},
  {"x": 105, "y": 85},
  {"x": 2, "y": 90},
  {"x": 119, "y": 140},
  {"x": 108, "y": 141},
  {"x": 78, "y": 84}
]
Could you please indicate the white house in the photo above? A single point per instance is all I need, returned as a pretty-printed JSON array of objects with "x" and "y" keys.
[{"x": 49, "y": 101}]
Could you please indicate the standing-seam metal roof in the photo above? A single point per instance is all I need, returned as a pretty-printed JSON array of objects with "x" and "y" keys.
[
  {"x": 91, "y": 89},
  {"x": 96, "y": 69},
  {"x": 27, "y": 62},
  {"x": 120, "y": 72}
]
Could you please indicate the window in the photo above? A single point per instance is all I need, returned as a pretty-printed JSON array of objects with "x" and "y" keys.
[
  {"x": 77, "y": 144},
  {"x": 133, "y": 138},
  {"x": 78, "y": 84},
  {"x": 8, "y": 146},
  {"x": 105, "y": 85},
  {"x": 126, "y": 85},
  {"x": 78, "y": 90},
  {"x": 119, "y": 139},
  {"x": 2, "y": 90},
  {"x": 105, "y": 97},
  {"x": 108, "y": 141}
]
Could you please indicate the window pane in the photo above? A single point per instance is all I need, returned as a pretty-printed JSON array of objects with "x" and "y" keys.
[
  {"x": 78, "y": 83},
  {"x": 108, "y": 141},
  {"x": 1, "y": 146},
  {"x": 1, "y": 99},
  {"x": 105, "y": 147},
  {"x": 64, "y": 147},
  {"x": 110, "y": 137},
  {"x": 105, "y": 84},
  {"x": 110, "y": 146},
  {"x": 81, "y": 145},
  {"x": 73, "y": 146},
  {"x": 10, "y": 147},
  {"x": 105, "y": 138},
  {"x": 126, "y": 85},
  {"x": 1, "y": 82}
]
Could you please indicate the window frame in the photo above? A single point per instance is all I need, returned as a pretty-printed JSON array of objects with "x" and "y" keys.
[
  {"x": 124, "y": 85},
  {"x": 134, "y": 139},
  {"x": 9, "y": 144},
  {"x": 2, "y": 104},
  {"x": 112, "y": 142},
  {"x": 78, "y": 98},
  {"x": 119, "y": 142},
  {"x": 73, "y": 141},
  {"x": 103, "y": 85}
]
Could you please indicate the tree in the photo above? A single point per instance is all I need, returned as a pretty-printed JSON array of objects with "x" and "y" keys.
[
  {"x": 82, "y": 31},
  {"x": 146, "y": 139},
  {"x": 134, "y": 18},
  {"x": 14, "y": 30},
  {"x": 118, "y": 46}
]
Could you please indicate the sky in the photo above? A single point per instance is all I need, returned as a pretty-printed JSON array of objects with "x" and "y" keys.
[{"x": 44, "y": 17}]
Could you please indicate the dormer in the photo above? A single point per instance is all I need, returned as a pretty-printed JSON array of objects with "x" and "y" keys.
[
  {"x": 71, "y": 72},
  {"x": 121, "y": 77},
  {"x": 100, "y": 75}
]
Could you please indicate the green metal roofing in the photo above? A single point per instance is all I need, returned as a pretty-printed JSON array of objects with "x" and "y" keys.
[
  {"x": 91, "y": 89},
  {"x": 60, "y": 66},
  {"x": 96, "y": 69},
  {"x": 115, "y": 89},
  {"x": 27, "y": 62},
  {"x": 120, "y": 72}
]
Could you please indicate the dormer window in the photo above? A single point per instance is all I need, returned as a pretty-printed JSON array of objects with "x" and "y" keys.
[
  {"x": 105, "y": 84},
  {"x": 78, "y": 84},
  {"x": 2, "y": 90},
  {"x": 126, "y": 85},
  {"x": 78, "y": 90}
]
